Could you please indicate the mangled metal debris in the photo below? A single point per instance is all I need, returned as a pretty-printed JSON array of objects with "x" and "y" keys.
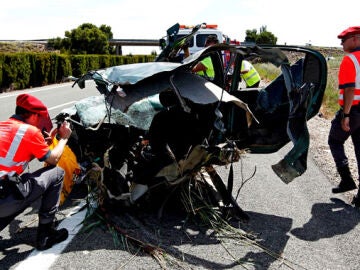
[{"x": 157, "y": 126}]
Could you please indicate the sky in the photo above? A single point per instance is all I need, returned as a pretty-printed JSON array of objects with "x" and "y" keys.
[{"x": 317, "y": 22}]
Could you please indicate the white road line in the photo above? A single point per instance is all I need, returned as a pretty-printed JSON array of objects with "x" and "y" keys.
[
  {"x": 42, "y": 260},
  {"x": 61, "y": 105},
  {"x": 43, "y": 88}
]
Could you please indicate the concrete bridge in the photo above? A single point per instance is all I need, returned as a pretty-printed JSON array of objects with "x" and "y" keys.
[{"x": 118, "y": 43}]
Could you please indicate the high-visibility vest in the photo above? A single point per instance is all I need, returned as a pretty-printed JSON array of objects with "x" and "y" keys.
[
  {"x": 250, "y": 77},
  {"x": 356, "y": 99},
  {"x": 15, "y": 151},
  {"x": 209, "y": 72}
]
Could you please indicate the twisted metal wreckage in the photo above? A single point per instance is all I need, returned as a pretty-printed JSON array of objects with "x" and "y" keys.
[{"x": 157, "y": 127}]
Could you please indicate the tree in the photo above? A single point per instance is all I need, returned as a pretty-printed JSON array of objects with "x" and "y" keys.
[
  {"x": 55, "y": 43},
  {"x": 63, "y": 45},
  {"x": 107, "y": 30},
  {"x": 264, "y": 36},
  {"x": 88, "y": 39},
  {"x": 85, "y": 39},
  {"x": 251, "y": 35}
]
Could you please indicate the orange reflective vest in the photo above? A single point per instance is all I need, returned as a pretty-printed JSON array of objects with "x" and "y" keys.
[
  {"x": 349, "y": 76},
  {"x": 19, "y": 144}
]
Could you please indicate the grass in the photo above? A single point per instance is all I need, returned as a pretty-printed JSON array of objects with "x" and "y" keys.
[
  {"x": 13, "y": 47},
  {"x": 330, "y": 100},
  {"x": 267, "y": 71}
]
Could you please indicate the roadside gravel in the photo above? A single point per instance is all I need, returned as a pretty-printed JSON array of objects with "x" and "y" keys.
[{"x": 319, "y": 128}]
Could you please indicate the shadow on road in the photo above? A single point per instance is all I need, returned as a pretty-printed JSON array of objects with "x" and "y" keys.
[
  {"x": 196, "y": 246},
  {"x": 328, "y": 220},
  {"x": 192, "y": 245},
  {"x": 17, "y": 240},
  {"x": 187, "y": 242},
  {"x": 272, "y": 236}
]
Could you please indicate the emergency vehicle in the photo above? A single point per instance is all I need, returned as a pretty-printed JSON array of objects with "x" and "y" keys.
[
  {"x": 195, "y": 36},
  {"x": 197, "y": 42}
]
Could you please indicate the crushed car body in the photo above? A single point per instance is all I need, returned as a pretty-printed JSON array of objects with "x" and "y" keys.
[{"x": 157, "y": 125}]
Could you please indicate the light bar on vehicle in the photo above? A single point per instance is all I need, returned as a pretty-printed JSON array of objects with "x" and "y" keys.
[
  {"x": 234, "y": 41},
  {"x": 207, "y": 26}
]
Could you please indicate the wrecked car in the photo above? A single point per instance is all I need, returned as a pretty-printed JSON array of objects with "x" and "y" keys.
[{"x": 156, "y": 126}]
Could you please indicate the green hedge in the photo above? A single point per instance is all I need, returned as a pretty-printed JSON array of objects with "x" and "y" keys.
[{"x": 25, "y": 70}]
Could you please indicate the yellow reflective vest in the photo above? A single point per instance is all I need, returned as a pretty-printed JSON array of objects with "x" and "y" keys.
[
  {"x": 209, "y": 73},
  {"x": 252, "y": 76}
]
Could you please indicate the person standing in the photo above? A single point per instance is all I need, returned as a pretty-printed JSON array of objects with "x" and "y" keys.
[
  {"x": 249, "y": 74},
  {"x": 346, "y": 122},
  {"x": 205, "y": 67},
  {"x": 23, "y": 137}
]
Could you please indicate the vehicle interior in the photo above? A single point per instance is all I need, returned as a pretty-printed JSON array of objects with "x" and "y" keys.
[{"x": 296, "y": 92}]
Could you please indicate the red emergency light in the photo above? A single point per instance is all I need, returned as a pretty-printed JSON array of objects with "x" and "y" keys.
[{"x": 207, "y": 26}]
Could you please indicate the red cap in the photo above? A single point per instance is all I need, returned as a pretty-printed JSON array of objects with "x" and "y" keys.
[
  {"x": 32, "y": 104},
  {"x": 353, "y": 30}
]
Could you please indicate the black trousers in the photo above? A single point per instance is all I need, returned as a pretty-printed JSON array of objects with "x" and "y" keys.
[{"x": 337, "y": 137}]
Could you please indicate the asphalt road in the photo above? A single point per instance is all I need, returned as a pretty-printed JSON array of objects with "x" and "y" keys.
[{"x": 301, "y": 225}]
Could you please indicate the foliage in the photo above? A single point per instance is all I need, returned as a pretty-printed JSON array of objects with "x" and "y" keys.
[
  {"x": 268, "y": 72},
  {"x": 263, "y": 37},
  {"x": 331, "y": 95},
  {"x": 85, "y": 39},
  {"x": 58, "y": 44},
  {"x": 251, "y": 35},
  {"x": 107, "y": 31},
  {"x": 24, "y": 70},
  {"x": 1, "y": 69},
  {"x": 16, "y": 70},
  {"x": 79, "y": 64},
  {"x": 45, "y": 68},
  {"x": 64, "y": 68}
]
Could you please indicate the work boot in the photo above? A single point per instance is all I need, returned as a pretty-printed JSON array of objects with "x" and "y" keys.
[
  {"x": 347, "y": 183},
  {"x": 47, "y": 236}
]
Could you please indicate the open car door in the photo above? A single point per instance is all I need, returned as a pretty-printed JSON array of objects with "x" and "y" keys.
[{"x": 281, "y": 108}]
